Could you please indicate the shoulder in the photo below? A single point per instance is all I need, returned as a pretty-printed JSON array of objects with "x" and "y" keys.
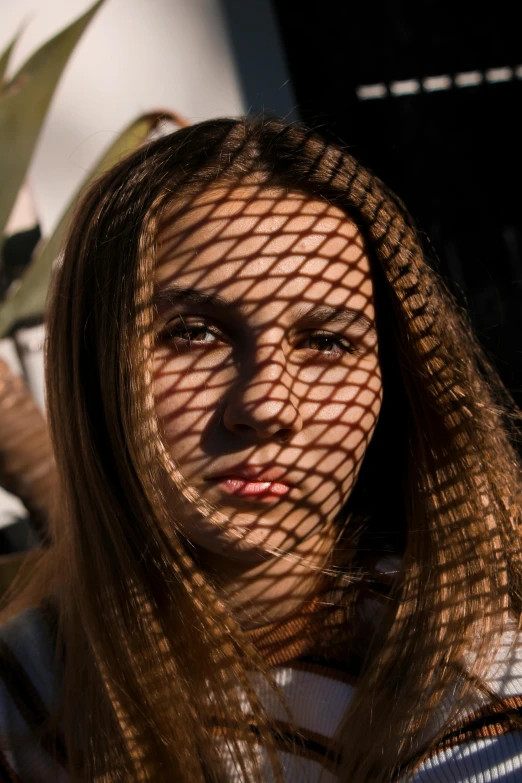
[
  {"x": 493, "y": 759},
  {"x": 28, "y": 647},
  {"x": 485, "y": 744},
  {"x": 28, "y": 686}
]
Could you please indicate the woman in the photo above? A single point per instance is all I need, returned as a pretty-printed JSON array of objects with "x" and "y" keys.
[{"x": 285, "y": 544}]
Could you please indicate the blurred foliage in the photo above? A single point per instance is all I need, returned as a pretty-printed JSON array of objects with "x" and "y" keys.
[
  {"x": 24, "y": 100},
  {"x": 28, "y": 300},
  {"x": 4, "y": 62}
]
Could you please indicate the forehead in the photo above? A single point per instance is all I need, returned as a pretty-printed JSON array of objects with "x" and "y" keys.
[{"x": 257, "y": 244}]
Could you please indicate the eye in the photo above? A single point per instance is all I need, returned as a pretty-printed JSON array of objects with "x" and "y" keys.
[
  {"x": 185, "y": 334},
  {"x": 327, "y": 343}
]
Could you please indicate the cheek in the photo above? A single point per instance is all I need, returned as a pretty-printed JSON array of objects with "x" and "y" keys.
[
  {"x": 348, "y": 424},
  {"x": 355, "y": 439},
  {"x": 340, "y": 428},
  {"x": 343, "y": 407},
  {"x": 187, "y": 393}
]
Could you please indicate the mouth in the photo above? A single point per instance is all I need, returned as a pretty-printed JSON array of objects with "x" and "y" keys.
[
  {"x": 249, "y": 481},
  {"x": 252, "y": 489}
]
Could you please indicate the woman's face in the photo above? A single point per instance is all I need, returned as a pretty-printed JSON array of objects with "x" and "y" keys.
[{"x": 267, "y": 377}]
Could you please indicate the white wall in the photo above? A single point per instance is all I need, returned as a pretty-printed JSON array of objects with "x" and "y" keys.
[{"x": 136, "y": 55}]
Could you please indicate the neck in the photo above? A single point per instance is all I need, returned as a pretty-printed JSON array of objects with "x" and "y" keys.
[{"x": 274, "y": 589}]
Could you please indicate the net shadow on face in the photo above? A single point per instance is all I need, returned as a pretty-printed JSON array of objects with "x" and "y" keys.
[{"x": 266, "y": 372}]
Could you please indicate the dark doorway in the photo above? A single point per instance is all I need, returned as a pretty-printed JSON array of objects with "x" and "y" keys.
[{"x": 429, "y": 94}]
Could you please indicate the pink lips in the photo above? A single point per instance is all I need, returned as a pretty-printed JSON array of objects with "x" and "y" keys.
[
  {"x": 253, "y": 482},
  {"x": 244, "y": 488}
]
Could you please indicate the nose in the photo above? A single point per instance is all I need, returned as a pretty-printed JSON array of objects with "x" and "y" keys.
[{"x": 262, "y": 402}]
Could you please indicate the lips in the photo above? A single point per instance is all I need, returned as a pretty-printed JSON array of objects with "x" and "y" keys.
[
  {"x": 252, "y": 481},
  {"x": 257, "y": 489},
  {"x": 251, "y": 473}
]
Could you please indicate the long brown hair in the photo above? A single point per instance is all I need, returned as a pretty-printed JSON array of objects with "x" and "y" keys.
[{"x": 133, "y": 605}]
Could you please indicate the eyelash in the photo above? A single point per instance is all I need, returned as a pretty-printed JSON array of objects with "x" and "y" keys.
[
  {"x": 345, "y": 345},
  {"x": 175, "y": 334}
]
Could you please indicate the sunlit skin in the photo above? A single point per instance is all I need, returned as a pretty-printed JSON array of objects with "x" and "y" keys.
[{"x": 266, "y": 362}]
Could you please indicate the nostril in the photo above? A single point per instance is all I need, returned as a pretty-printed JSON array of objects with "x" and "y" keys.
[
  {"x": 243, "y": 428},
  {"x": 284, "y": 435}
]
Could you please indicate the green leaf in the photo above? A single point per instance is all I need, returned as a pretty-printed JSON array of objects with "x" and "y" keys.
[
  {"x": 28, "y": 301},
  {"x": 5, "y": 57},
  {"x": 23, "y": 105}
]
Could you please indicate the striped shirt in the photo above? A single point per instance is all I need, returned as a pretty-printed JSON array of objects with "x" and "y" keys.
[{"x": 317, "y": 682}]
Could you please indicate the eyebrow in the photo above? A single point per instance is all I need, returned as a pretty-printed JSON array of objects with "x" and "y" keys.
[
  {"x": 171, "y": 295},
  {"x": 343, "y": 315}
]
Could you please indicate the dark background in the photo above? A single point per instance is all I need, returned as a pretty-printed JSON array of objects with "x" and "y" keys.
[{"x": 452, "y": 155}]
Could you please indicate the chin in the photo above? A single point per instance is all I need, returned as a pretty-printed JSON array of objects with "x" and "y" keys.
[
  {"x": 250, "y": 541},
  {"x": 234, "y": 543}
]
